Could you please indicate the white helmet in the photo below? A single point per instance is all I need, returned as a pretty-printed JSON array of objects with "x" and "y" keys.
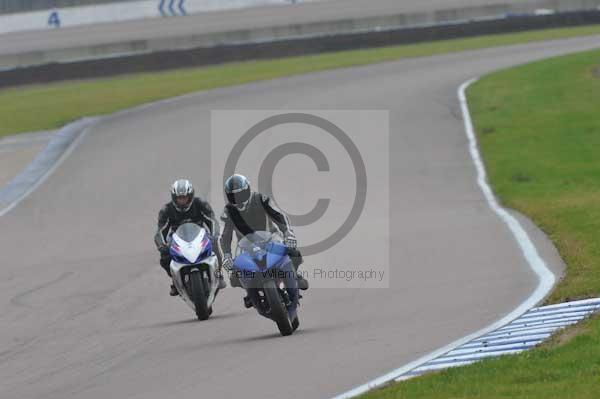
[{"x": 182, "y": 195}]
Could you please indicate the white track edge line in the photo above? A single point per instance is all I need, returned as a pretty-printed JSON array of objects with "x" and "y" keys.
[
  {"x": 49, "y": 172},
  {"x": 546, "y": 278}
]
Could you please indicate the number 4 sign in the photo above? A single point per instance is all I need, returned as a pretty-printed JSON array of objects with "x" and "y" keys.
[{"x": 54, "y": 19}]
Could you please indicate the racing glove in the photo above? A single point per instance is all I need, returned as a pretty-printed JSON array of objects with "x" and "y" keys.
[
  {"x": 164, "y": 250},
  {"x": 290, "y": 240},
  {"x": 227, "y": 262}
]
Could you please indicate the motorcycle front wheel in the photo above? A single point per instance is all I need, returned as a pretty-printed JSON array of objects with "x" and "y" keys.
[
  {"x": 279, "y": 313},
  {"x": 198, "y": 295}
]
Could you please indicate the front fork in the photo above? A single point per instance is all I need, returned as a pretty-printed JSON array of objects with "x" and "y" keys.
[{"x": 259, "y": 301}]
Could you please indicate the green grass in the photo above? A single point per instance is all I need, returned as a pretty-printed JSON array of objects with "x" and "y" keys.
[
  {"x": 51, "y": 106},
  {"x": 539, "y": 131}
]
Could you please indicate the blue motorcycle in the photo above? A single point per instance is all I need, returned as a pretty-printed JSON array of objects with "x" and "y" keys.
[{"x": 266, "y": 273}]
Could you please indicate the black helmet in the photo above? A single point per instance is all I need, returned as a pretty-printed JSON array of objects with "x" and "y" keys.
[
  {"x": 237, "y": 190},
  {"x": 182, "y": 195}
]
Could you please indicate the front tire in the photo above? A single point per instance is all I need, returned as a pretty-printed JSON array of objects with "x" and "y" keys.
[
  {"x": 198, "y": 295},
  {"x": 279, "y": 312}
]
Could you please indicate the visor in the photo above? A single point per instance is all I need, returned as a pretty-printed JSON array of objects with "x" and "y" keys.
[{"x": 239, "y": 198}]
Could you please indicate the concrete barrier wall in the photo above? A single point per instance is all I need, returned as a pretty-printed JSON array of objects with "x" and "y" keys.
[
  {"x": 55, "y": 18},
  {"x": 163, "y": 60},
  {"x": 309, "y": 30},
  {"x": 21, "y": 6},
  {"x": 63, "y": 14}
]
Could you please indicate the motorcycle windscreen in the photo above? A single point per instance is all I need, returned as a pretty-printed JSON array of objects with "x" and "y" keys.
[
  {"x": 188, "y": 231},
  {"x": 255, "y": 239},
  {"x": 244, "y": 262},
  {"x": 276, "y": 254}
]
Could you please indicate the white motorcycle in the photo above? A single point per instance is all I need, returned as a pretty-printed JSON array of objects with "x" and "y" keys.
[{"x": 194, "y": 268}]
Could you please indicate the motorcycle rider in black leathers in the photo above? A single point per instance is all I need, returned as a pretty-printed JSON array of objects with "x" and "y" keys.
[
  {"x": 247, "y": 212},
  {"x": 184, "y": 208}
]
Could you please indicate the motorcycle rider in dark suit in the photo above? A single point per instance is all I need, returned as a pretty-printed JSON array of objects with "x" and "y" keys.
[
  {"x": 246, "y": 212},
  {"x": 184, "y": 208}
]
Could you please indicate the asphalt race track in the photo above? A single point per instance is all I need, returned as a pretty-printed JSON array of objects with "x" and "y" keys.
[
  {"x": 84, "y": 305},
  {"x": 22, "y": 42}
]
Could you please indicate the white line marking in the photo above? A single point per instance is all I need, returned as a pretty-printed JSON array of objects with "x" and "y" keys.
[
  {"x": 585, "y": 302},
  {"x": 49, "y": 172},
  {"x": 526, "y": 331},
  {"x": 537, "y": 264},
  {"x": 564, "y": 311},
  {"x": 490, "y": 343},
  {"x": 498, "y": 349}
]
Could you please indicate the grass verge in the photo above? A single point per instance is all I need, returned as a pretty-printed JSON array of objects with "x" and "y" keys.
[
  {"x": 50, "y": 106},
  {"x": 539, "y": 131}
]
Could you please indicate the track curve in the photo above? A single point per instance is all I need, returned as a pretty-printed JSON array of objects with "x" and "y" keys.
[{"x": 84, "y": 305}]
